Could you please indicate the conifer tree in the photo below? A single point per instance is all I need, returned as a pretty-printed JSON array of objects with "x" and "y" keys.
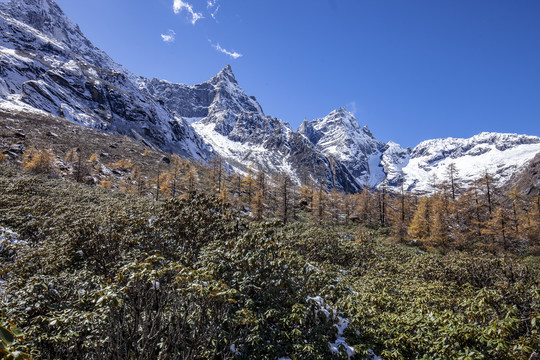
[
  {"x": 138, "y": 179},
  {"x": 347, "y": 206},
  {"x": 320, "y": 204},
  {"x": 382, "y": 205},
  {"x": 235, "y": 191},
  {"x": 488, "y": 189},
  {"x": 173, "y": 176},
  {"x": 306, "y": 192},
  {"x": 224, "y": 195},
  {"x": 439, "y": 226},
  {"x": 75, "y": 157},
  {"x": 216, "y": 164},
  {"x": 257, "y": 206},
  {"x": 259, "y": 201},
  {"x": 366, "y": 208},
  {"x": 453, "y": 179},
  {"x": 248, "y": 186},
  {"x": 399, "y": 218},
  {"x": 420, "y": 227},
  {"x": 498, "y": 228},
  {"x": 285, "y": 185},
  {"x": 191, "y": 177},
  {"x": 516, "y": 202}
]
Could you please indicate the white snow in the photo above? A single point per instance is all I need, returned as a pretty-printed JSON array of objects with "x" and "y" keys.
[
  {"x": 191, "y": 120},
  {"x": 77, "y": 116},
  {"x": 242, "y": 155},
  {"x": 11, "y": 54},
  {"x": 341, "y": 325},
  {"x": 15, "y": 106},
  {"x": 376, "y": 171}
]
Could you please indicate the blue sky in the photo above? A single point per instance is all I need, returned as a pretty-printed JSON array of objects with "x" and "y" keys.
[{"x": 409, "y": 69}]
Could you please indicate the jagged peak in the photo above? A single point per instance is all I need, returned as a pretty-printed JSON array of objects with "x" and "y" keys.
[
  {"x": 224, "y": 75},
  {"x": 340, "y": 117},
  {"x": 341, "y": 112}
]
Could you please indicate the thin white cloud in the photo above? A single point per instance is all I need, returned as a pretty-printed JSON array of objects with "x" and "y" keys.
[
  {"x": 169, "y": 37},
  {"x": 179, "y": 5},
  {"x": 214, "y": 13},
  {"x": 213, "y": 5},
  {"x": 232, "y": 54}
]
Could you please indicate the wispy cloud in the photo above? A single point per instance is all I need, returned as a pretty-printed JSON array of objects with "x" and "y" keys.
[
  {"x": 214, "y": 13},
  {"x": 213, "y": 7},
  {"x": 179, "y": 5},
  {"x": 169, "y": 37},
  {"x": 232, "y": 54}
]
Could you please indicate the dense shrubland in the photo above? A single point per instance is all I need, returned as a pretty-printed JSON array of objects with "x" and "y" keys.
[
  {"x": 458, "y": 215},
  {"x": 94, "y": 273}
]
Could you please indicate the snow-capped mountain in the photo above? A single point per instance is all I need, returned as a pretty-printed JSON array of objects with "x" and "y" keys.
[
  {"x": 499, "y": 155},
  {"x": 339, "y": 136},
  {"x": 46, "y": 62},
  {"x": 236, "y": 127}
]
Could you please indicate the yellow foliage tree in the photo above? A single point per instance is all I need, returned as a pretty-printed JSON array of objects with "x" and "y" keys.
[
  {"x": 420, "y": 227},
  {"x": 105, "y": 183},
  {"x": 38, "y": 161},
  {"x": 248, "y": 186},
  {"x": 191, "y": 178},
  {"x": 122, "y": 164}
]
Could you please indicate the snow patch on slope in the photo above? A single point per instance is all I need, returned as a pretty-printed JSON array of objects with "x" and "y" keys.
[{"x": 341, "y": 325}]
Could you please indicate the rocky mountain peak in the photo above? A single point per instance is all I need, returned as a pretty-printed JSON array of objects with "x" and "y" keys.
[{"x": 226, "y": 74}]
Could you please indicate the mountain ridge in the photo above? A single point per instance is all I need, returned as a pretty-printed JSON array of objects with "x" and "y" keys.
[{"x": 49, "y": 64}]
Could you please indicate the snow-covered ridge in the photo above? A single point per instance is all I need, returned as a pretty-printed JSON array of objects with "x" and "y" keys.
[{"x": 500, "y": 155}]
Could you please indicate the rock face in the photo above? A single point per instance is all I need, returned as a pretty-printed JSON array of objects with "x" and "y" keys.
[{"x": 46, "y": 62}]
